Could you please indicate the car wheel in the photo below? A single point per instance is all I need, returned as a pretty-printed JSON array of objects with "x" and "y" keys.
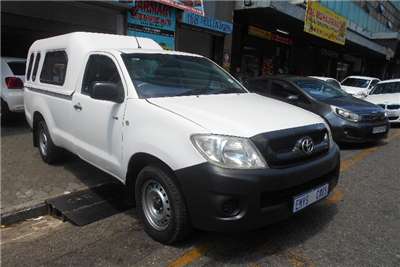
[
  {"x": 161, "y": 205},
  {"x": 49, "y": 152},
  {"x": 5, "y": 111}
]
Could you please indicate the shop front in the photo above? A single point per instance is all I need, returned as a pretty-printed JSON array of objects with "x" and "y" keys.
[{"x": 203, "y": 35}]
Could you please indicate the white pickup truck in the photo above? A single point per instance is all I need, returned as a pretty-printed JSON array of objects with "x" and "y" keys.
[{"x": 193, "y": 146}]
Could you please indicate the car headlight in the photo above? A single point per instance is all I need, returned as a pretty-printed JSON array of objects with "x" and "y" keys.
[
  {"x": 228, "y": 151},
  {"x": 328, "y": 136},
  {"x": 346, "y": 114}
]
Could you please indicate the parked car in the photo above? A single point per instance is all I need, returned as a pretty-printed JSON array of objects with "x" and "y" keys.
[
  {"x": 12, "y": 85},
  {"x": 352, "y": 120},
  {"x": 387, "y": 95},
  {"x": 193, "y": 146},
  {"x": 359, "y": 86},
  {"x": 328, "y": 80}
]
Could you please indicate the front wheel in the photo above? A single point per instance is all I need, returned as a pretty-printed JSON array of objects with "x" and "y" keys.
[{"x": 161, "y": 205}]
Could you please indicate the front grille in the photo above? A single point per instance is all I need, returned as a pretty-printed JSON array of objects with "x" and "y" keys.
[
  {"x": 393, "y": 118},
  {"x": 372, "y": 117},
  {"x": 393, "y": 106},
  {"x": 272, "y": 198},
  {"x": 280, "y": 148}
]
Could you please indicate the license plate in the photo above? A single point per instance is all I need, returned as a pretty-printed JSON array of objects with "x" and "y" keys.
[
  {"x": 392, "y": 113},
  {"x": 306, "y": 199},
  {"x": 380, "y": 129}
]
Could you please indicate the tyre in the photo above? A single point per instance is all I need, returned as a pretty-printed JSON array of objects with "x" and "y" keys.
[
  {"x": 49, "y": 152},
  {"x": 5, "y": 111},
  {"x": 161, "y": 206}
]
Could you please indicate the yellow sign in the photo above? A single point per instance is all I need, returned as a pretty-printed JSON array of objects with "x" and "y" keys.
[
  {"x": 325, "y": 23},
  {"x": 260, "y": 33}
]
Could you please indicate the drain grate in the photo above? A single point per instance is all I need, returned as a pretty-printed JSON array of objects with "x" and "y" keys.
[{"x": 87, "y": 206}]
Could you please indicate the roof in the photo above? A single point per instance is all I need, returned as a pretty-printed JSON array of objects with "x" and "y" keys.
[
  {"x": 362, "y": 77},
  {"x": 286, "y": 77},
  {"x": 7, "y": 59},
  {"x": 322, "y": 78},
  {"x": 390, "y": 81},
  {"x": 88, "y": 41},
  {"x": 157, "y": 51}
]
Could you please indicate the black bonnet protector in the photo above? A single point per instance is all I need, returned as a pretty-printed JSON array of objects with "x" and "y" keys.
[{"x": 282, "y": 148}]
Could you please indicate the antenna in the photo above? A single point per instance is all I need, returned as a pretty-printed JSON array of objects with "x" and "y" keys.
[{"x": 137, "y": 41}]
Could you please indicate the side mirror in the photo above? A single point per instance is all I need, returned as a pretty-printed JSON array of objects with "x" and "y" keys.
[
  {"x": 292, "y": 98},
  {"x": 107, "y": 91}
]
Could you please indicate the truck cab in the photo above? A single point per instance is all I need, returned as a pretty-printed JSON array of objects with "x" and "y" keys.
[{"x": 193, "y": 146}]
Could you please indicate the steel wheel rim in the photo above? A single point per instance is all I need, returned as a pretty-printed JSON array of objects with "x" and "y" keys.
[
  {"x": 43, "y": 142},
  {"x": 156, "y": 205}
]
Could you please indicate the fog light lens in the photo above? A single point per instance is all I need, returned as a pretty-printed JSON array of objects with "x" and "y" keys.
[{"x": 230, "y": 207}]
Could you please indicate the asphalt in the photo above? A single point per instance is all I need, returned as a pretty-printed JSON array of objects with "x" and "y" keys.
[
  {"x": 358, "y": 225},
  {"x": 26, "y": 181}
]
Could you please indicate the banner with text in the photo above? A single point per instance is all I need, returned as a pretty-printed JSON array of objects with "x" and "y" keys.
[
  {"x": 324, "y": 23},
  {"x": 193, "y": 6},
  {"x": 153, "y": 20}
]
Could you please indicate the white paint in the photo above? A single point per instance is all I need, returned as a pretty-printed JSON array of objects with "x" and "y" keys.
[{"x": 158, "y": 126}]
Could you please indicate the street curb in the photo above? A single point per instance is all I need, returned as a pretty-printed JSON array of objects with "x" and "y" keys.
[{"x": 24, "y": 214}]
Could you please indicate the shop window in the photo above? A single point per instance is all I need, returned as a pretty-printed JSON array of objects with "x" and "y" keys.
[{"x": 54, "y": 68}]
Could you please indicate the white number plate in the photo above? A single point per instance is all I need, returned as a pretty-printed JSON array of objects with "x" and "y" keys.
[
  {"x": 306, "y": 199},
  {"x": 380, "y": 129}
]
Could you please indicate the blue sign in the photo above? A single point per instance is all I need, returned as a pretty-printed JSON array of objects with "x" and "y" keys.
[
  {"x": 207, "y": 23},
  {"x": 152, "y": 20}
]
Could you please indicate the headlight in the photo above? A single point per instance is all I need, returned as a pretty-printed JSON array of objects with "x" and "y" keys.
[
  {"x": 344, "y": 113},
  {"x": 228, "y": 152},
  {"x": 328, "y": 135}
]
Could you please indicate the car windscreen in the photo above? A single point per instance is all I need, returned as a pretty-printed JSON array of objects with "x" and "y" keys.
[
  {"x": 356, "y": 82},
  {"x": 319, "y": 89},
  {"x": 386, "y": 88},
  {"x": 17, "y": 67},
  {"x": 166, "y": 75}
]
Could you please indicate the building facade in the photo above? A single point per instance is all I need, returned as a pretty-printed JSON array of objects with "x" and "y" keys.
[
  {"x": 270, "y": 37},
  {"x": 202, "y": 27}
]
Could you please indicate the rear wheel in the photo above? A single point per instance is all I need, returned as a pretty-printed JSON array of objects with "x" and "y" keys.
[
  {"x": 49, "y": 152},
  {"x": 161, "y": 205}
]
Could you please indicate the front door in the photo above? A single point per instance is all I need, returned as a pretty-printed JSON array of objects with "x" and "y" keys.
[{"x": 98, "y": 123}]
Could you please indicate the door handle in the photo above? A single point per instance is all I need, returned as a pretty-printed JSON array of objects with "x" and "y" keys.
[{"x": 78, "y": 107}]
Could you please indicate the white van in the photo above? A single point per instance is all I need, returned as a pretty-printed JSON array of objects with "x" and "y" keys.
[{"x": 193, "y": 146}]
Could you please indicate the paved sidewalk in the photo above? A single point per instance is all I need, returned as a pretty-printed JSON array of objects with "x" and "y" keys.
[{"x": 26, "y": 181}]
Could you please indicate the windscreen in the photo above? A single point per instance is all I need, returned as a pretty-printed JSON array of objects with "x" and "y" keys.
[
  {"x": 386, "y": 88},
  {"x": 17, "y": 67},
  {"x": 319, "y": 89},
  {"x": 166, "y": 75},
  {"x": 356, "y": 82}
]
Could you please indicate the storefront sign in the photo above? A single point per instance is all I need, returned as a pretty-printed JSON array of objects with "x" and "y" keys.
[
  {"x": 325, "y": 23},
  {"x": 263, "y": 34},
  {"x": 207, "y": 23},
  {"x": 152, "y": 20},
  {"x": 260, "y": 33},
  {"x": 193, "y": 6}
]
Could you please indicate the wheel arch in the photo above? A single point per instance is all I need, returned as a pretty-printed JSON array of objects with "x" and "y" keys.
[
  {"x": 136, "y": 163},
  {"x": 37, "y": 116}
]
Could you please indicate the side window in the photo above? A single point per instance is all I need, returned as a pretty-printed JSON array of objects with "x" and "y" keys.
[
  {"x": 54, "y": 68},
  {"x": 100, "y": 68},
  {"x": 35, "y": 67},
  {"x": 283, "y": 90},
  {"x": 28, "y": 73},
  {"x": 373, "y": 83}
]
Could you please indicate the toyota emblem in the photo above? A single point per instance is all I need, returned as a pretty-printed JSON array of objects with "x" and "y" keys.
[{"x": 306, "y": 145}]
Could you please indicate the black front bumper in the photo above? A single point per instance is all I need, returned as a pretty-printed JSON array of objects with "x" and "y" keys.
[
  {"x": 262, "y": 196},
  {"x": 344, "y": 131}
]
